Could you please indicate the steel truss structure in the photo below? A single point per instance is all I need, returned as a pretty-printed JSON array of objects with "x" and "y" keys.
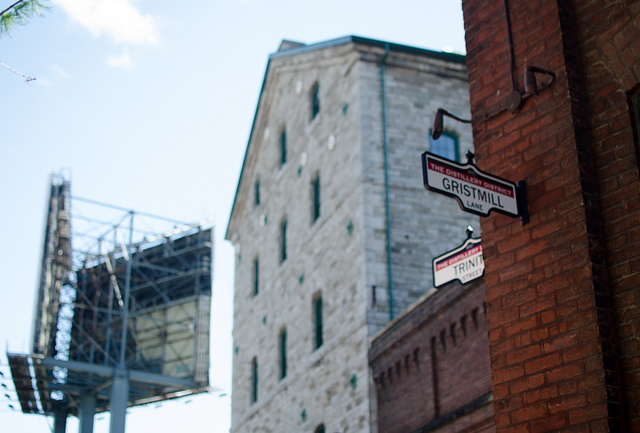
[{"x": 122, "y": 312}]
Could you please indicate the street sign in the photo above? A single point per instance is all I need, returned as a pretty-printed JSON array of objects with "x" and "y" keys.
[
  {"x": 476, "y": 192},
  {"x": 464, "y": 264}
]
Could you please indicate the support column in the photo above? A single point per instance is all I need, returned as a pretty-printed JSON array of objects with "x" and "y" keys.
[
  {"x": 59, "y": 421},
  {"x": 86, "y": 413},
  {"x": 119, "y": 397}
]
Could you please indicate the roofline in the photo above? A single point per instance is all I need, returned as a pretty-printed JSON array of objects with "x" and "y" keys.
[
  {"x": 441, "y": 55},
  {"x": 450, "y": 57}
]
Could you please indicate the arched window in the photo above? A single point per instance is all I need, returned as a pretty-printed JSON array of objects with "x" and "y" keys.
[{"x": 319, "y": 429}]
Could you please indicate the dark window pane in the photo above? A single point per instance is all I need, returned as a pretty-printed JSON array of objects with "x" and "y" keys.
[
  {"x": 315, "y": 101},
  {"x": 254, "y": 380},
  {"x": 256, "y": 276},
  {"x": 318, "y": 321},
  {"x": 283, "y": 246},
  {"x": 316, "y": 198},
  {"x": 283, "y": 146},
  {"x": 283, "y": 354}
]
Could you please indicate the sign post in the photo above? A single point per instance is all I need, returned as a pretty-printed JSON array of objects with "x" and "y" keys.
[{"x": 476, "y": 192}]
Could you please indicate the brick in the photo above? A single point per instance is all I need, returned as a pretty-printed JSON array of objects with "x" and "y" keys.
[
  {"x": 542, "y": 363},
  {"x": 523, "y": 354},
  {"x": 583, "y": 415},
  {"x": 560, "y": 342},
  {"x": 530, "y": 412},
  {"x": 526, "y": 383},
  {"x": 550, "y": 424},
  {"x": 521, "y": 325},
  {"x": 536, "y": 306},
  {"x": 508, "y": 374},
  {"x": 580, "y": 351},
  {"x": 565, "y": 371}
]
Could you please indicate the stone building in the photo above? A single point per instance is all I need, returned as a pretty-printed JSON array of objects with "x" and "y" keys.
[{"x": 333, "y": 230}]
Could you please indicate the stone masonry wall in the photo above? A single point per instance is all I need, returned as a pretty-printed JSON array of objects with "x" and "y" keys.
[
  {"x": 323, "y": 257},
  {"x": 423, "y": 224},
  {"x": 342, "y": 255}
]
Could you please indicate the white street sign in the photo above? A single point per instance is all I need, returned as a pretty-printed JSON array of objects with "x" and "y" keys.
[
  {"x": 464, "y": 264},
  {"x": 476, "y": 192}
]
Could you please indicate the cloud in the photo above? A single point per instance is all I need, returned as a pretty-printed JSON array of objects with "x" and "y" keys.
[
  {"x": 118, "y": 19},
  {"x": 59, "y": 71},
  {"x": 123, "y": 61}
]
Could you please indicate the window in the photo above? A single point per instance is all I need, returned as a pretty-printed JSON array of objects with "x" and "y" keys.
[
  {"x": 257, "y": 192},
  {"x": 446, "y": 146},
  {"x": 254, "y": 380},
  {"x": 315, "y": 190},
  {"x": 315, "y": 100},
  {"x": 317, "y": 316},
  {"x": 283, "y": 241},
  {"x": 283, "y": 353},
  {"x": 256, "y": 276},
  {"x": 319, "y": 429},
  {"x": 283, "y": 146}
]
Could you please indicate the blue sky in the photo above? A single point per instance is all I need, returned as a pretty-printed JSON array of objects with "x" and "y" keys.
[{"x": 148, "y": 105}]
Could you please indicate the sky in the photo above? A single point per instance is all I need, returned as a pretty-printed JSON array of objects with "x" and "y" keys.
[{"x": 148, "y": 105}]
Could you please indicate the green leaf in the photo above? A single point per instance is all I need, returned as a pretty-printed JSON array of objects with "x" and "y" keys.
[{"x": 18, "y": 14}]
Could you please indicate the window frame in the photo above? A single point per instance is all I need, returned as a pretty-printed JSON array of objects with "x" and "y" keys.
[
  {"x": 283, "y": 241},
  {"x": 283, "y": 146},
  {"x": 318, "y": 325},
  {"x": 282, "y": 340},
  {"x": 256, "y": 276},
  {"x": 254, "y": 380},
  {"x": 446, "y": 135},
  {"x": 256, "y": 192},
  {"x": 315, "y": 100},
  {"x": 315, "y": 193}
]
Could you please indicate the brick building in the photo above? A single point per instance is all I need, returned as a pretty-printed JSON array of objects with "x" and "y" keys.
[
  {"x": 431, "y": 365},
  {"x": 562, "y": 291},
  {"x": 332, "y": 228}
]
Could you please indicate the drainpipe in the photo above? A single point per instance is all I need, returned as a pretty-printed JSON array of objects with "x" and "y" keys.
[{"x": 386, "y": 177}]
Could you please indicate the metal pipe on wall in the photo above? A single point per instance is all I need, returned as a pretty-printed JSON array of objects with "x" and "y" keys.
[{"x": 386, "y": 177}]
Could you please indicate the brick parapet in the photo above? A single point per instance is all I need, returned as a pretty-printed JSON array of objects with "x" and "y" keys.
[{"x": 431, "y": 365}]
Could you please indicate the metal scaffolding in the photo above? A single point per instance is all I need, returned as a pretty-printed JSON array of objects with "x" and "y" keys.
[{"x": 122, "y": 312}]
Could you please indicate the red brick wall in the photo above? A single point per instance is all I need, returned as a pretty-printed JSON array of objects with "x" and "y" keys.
[
  {"x": 562, "y": 291},
  {"x": 434, "y": 361}
]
